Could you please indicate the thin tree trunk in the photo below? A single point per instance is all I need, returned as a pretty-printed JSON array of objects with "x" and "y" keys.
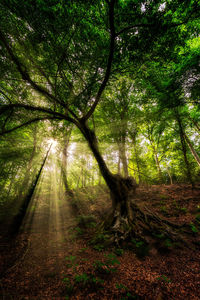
[
  {"x": 157, "y": 164},
  {"x": 195, "y": 124},
  {"x": 25, "y": 182},
  {"x": 184, "y": 148},
  {"x": 123, "y": 158},
  {"x": 118, "y": 166},
  {"x": 170, "y": 176},
  {"x": 83, "y": 178},
  {"x": 197, "y": 158},
  {"x": 151, "y": 139},
  {"x": 100, "y": 178},
  {"x": 77, "y": 184},
  {"x": 64, "y": 163},
  {"x": 136, "y": 159}
]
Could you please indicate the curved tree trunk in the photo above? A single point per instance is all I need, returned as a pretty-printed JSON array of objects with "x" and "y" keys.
[
  {"x": 127, "y": 218},
  {"x": 120, "y": 188}
]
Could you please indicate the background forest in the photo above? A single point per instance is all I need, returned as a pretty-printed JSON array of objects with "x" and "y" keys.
[{"x": 97, "y": 99}]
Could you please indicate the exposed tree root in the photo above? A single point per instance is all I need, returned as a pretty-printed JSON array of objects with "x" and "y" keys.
[{"x": 146, "y": 227}]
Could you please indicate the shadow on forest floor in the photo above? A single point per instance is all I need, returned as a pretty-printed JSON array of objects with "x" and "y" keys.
[{"x": 52, "y": 259}]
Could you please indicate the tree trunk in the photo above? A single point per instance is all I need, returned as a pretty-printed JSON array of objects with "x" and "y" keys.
[
  {"x": 197, "y": 158},
  {"x": 118, "y": 166},
  {"x": 120, "y": 188},
  {"x": 100, "y": 177},
  {"x": 26, "y": 179},
  {"x": 127, "y": 218},
  {"x": 195, "y": 124},
  {"x": 122, "y": 155},
  {"x": 158, "y": 166},
  {"x": 170, "y": 176},
  {"x": 136, "y": 158},
  {"x": 154, "y": 148},
  {"x": 68, "y": 191},
  {"x": 184, "y": 148},
  {"x": 160, "y": 177},
  {"x": 77, "y": 184}
]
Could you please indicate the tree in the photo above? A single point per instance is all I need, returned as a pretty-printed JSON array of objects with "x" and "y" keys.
[
  {"x": 117, "y": 107},
  {"x": 64, "y": 160},
  {"x": 67, "y": 53}
]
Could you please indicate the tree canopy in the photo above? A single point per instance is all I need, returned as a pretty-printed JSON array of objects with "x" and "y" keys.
[{"x": 121, "y": 72}]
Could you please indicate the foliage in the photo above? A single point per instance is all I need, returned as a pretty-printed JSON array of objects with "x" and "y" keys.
[
  {"x": 107, "y": 266},
  {"x": 164, "y": 279},
  {"x": 141, "y": 247},
  {"x": 93, "y": 278},
  {"x": 193, "y": 228}
]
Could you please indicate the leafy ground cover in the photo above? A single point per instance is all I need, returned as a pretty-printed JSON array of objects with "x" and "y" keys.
[{"x": 55, "y": 258}]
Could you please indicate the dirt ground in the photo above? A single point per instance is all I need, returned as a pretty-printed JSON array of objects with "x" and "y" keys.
[{"x": 52, "y": 258}]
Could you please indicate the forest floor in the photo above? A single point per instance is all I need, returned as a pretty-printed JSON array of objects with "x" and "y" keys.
[{"x": 53, "y": 259}]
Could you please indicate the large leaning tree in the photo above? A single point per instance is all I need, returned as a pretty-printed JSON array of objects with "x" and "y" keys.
[{"x": 58, "y": 57}]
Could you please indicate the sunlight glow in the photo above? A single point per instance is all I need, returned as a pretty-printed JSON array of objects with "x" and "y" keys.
[
  {"x": 71, "y": 150},
  {"x": 49, "y": 210},
  {"x": 53, "y": 144},
  {"x": 162, "y": 7}
]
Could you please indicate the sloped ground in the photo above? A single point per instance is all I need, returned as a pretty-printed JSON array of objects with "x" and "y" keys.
[{"x": 52, "y": 259}]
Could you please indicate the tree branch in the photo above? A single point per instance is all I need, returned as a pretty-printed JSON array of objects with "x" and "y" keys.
[
  {"x": 4, "y": 94},
  {"x": 109, "y": 63},
  {"x": 27, "y": 123},
  {"x": 166, "y": 26},
  {"x": 7, "y": 118},
  {"x": 24, "y": 72},
  {"x": 4, "y": 108},
  {"x": 25, "y": 75},
  {"x": 134, "y": 26}
]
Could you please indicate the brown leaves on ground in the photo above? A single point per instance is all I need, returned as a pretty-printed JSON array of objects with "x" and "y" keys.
[{"x": 51, "y": 265}]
